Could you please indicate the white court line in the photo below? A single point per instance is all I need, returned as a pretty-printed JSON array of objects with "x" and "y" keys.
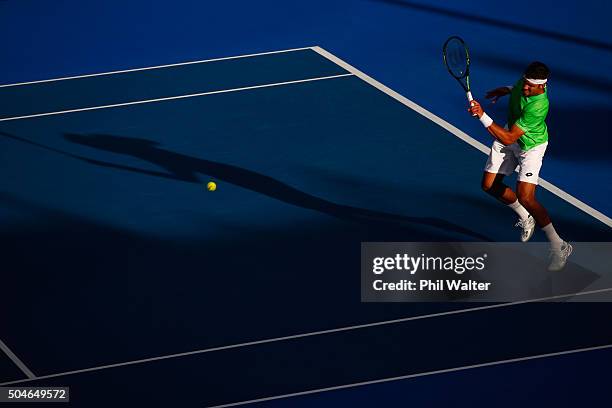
[
  {"x": 460, "y": 134},
  {"x": 16, "y": 360},
  {"x": 154, "y": 67},
  {"x": 171, "y": 98},
  {"x": 409, "y": 376},
  {"x": 305, "y": 335}
]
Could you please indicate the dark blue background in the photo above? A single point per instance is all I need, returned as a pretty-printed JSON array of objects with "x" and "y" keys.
[{"x": 397, "y": 43}]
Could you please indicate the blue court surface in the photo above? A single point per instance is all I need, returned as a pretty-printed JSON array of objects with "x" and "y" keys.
[{"x": 135, "y": 286}]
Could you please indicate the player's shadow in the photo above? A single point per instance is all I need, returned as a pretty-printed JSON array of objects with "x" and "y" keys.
[
  {"x": 499, "y": 23},
  {"x": 186, "y": 168},
  {"x": 493, "y": 218}
]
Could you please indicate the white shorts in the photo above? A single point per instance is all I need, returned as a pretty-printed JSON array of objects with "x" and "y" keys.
[{"x": 504, "y": 159}]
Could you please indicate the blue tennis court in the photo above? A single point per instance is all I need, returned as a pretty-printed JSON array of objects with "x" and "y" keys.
[{"x": 128, "y": 275}]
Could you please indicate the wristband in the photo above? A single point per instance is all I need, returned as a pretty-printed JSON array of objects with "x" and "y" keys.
[
  {"x": 486, "y": 120},
  {"x": 509, "y": 87}
]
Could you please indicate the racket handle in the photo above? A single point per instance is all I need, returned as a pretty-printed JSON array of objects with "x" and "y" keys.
[{"x": 470, "y": 99}]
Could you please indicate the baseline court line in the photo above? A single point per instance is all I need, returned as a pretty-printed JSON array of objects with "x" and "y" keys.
[
  {"x": 303, "y": 335},
  {"x": 459, "y": 133},
  {"x": 171, "y": 98},
  {"x": 409, "y": 376},
  {"x": 154, "y": 67},
  {"x": 16, "y": 360}
]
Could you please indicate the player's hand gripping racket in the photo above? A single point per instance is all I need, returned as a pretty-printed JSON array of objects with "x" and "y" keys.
[{"x": 457, "y": 61}]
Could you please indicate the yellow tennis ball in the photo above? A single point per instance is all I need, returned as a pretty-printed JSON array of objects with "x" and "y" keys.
[{"x": 211, "y": 186}]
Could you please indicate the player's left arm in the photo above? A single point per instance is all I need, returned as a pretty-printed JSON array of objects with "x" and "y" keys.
[{"x": 506, "y": 137}]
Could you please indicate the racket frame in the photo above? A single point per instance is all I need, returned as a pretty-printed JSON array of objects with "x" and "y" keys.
[{"x": 466, "y": 74}]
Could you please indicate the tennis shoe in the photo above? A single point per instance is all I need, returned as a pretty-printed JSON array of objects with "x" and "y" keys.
[
  {"x": 558, "y": 257},
  {"x": 527, "y": 228}
]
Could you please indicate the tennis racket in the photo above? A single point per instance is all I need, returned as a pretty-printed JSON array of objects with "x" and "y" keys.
[{"x": 457, "y": 61}]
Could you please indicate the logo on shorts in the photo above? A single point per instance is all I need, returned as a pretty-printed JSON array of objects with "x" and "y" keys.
[{"x": 529, "y": 174}]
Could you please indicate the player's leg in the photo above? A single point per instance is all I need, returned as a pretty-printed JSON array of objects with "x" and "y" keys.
[
  {"x": 501, "y": 162},
  {"x": 492, "y": 184},
  {"x": 531, "y": 163},
  {"x": 526, "y": 196}
]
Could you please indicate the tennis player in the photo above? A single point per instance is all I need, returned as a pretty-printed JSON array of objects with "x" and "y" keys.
[{"x": 522, "y": 142}]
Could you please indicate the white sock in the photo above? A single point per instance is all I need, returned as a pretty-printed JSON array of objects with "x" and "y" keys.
[
  {"x": 519, "y": 209},
  {"x": 553, "y": 237}
]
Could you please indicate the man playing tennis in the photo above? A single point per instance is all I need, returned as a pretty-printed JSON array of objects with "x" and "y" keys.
[{"x": 522, "y": 142}]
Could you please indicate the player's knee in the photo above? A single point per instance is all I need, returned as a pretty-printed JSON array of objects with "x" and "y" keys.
[
  {"x": 526, "y": 200},
  {"x": 491, "y": 183},
  {"x": 486, "y": 185}
]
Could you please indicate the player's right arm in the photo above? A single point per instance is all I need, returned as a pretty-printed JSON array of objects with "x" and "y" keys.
[
  {"x": 506, "y": 137},
  {"x": 497, "y": 93}
]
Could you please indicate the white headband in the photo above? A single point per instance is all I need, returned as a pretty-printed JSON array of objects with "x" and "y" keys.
[{"x": 536, "y": 81}]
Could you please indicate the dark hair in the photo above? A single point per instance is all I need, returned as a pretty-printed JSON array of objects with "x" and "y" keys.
[{"x": 537, "y": 70}]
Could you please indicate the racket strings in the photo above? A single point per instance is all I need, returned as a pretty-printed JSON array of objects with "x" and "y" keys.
[{"x": 457, "y": 59}]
